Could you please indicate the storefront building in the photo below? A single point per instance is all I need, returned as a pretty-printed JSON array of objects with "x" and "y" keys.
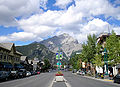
[{"x": 8, "y": 56}]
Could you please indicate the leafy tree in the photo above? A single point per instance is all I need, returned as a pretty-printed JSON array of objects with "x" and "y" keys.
[
  {"x": 89, "y": 49},
  {"x": 98, "y": 60},
  {"x": 46, "y": 65},
  {"x": 113, "y": 48}
]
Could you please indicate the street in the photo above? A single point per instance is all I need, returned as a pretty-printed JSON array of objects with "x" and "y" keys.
[
  {"x": 42, "y": 80},
  {"x": 81, "y": 81},
  {"x": 45, "y": 79}
]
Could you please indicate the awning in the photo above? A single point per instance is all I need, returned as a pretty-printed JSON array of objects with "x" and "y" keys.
[
  {"x": 6, "y": 65},
  {"x": 19, "y": 66},
  {"x": 118, "y": 66}
]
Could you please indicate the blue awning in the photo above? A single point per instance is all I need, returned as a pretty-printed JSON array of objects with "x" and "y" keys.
[
  {"x": 19, "y": 66},
  {"x": 6, "y": 65}
]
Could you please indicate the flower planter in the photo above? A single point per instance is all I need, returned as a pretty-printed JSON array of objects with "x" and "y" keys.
[
  {"x": 59, "y": 78},
  {"x": 58, "y": 74}
]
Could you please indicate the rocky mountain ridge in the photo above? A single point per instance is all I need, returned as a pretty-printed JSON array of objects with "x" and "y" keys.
[{"x": 66, "y": 42}]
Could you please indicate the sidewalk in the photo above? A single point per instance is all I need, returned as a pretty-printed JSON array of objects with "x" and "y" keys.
[{"x": 107, "y": 80}]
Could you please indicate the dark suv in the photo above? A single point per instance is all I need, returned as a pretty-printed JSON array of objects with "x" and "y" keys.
[
  {"x": 22, "y": 73},
  {"x": 13, "y": 74},
  {"x": 117, "y": 78},
  {"x": 4, "y": 75}
]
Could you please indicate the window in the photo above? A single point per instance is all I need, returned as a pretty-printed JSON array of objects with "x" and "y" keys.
[
  {"x": 7, "y": 58},
  {"x": 4, "y": 57},
  {"x": 0, "y": 56}
]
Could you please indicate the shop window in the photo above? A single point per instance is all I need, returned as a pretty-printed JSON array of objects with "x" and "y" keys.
[
  {"x": 18, "y": 59},
  {"x": 7, "y": 58},
  {"x": 0, "y": 56},
  {"x": 4, "y": 57}
]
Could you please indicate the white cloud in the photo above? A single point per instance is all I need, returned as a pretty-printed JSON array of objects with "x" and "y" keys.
[
  {"x": 20, "y": 36},
  {"x": 77, "y": 20},
  {"x": 117, "y": 1},
  {"x": 62, "y": 3},
  {"x": 9, "y": 9},
  {"x": 95, "y": 26}
]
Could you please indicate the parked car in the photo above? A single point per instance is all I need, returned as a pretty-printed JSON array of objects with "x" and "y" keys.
[
  {"x": 32, "y": 72},
  {"x": 38, "y": 72},
  {"x": 117, "y": 79},
  {"x": 4, "y": 75},
  {"x": 13, "y": 74},
  {"x": 74, "y": 71},
  {"x": 28, "y": 73},
  {"x": 22, "y": 73},
  {"x": 79, "y": 72}
]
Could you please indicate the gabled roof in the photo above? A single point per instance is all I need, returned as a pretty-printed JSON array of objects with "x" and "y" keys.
[
  {"x": 19, "y": 53},
  {"x": 7, "y": 46},
  {"x": 23, "y": 58}
]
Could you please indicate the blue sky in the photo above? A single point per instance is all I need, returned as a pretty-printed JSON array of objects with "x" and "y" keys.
[{"x": 25, "y": 21}]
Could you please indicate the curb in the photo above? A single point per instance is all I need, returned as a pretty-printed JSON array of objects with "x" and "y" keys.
[{"x": 107, "y": 80}]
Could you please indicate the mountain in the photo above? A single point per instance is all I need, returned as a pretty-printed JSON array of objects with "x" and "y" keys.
[
  {"x": 36, "y": 50},
  {"x": 66, "y": 42}
]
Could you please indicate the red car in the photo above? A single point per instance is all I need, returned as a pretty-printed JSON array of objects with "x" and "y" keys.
[{"x": 38, "y": 72}]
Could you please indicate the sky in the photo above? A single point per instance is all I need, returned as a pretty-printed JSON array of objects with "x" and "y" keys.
[{"x": 25, "y": 21}]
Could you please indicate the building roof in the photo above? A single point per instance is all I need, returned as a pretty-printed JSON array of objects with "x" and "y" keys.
[
  {"x": 8, "y": 46},
  {"x": 23, "y": 58},
  {"x": 29, "y": 61},
  {"x": 19, "y": 53}
]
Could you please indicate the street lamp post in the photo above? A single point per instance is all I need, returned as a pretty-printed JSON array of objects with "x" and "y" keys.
[
  {"x": 59, "y": 58},
  {"x": 106, "y": 63}
]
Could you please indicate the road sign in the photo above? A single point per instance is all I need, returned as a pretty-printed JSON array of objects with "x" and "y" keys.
[
  {"x": 59, "y": 63},
  {"x": 61, "y": 55},
  {"x": 57, "y": 55}
]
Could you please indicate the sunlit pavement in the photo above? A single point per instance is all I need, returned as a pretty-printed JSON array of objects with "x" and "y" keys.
[
  {"x": 42, "y": 80},
  {"x": 84, "y": 81},
  {"x": 46, "y": 80}
]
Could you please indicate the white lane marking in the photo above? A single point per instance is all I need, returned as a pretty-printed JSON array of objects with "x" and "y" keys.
[
  {"x": 66, "y": 82},
  {"x": 52, "y": 82}
]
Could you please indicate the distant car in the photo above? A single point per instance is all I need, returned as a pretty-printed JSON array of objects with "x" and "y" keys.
[
  {"x": 13, "y": 74},
  {"x": 22, "y": 73},
  {"x": 4, "y": 75},
  {"x": 28, "y": 73},
  {"x": 74, "y": 71},
  {"x": 38, "y": 72},
  {"x": 117, "y": 79},
  {"x": 33, "y": 72},
  {"x": 79, "y": 72}
]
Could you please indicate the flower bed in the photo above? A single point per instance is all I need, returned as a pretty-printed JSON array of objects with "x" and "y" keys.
[
  {"x": 59, "y": 73},
  {"x": 59, "y": 76}
]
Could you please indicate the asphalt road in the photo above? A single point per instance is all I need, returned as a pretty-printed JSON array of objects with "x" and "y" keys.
[
  {"x": 81, "y": 81},
  {"x": 42, "y": 80},
  {"x": 45, "y": 79}
]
